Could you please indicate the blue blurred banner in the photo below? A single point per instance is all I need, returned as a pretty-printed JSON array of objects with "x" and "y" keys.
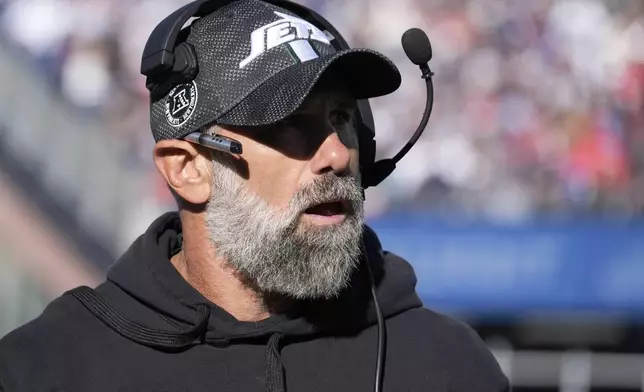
[{"x": 487, "y": 269}]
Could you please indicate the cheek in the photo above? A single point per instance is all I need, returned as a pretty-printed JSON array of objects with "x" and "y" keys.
[
  {"x": 355, "y": 162},
  {"x": 349, "y": 137},
  {"x": 273, "y": 177}
]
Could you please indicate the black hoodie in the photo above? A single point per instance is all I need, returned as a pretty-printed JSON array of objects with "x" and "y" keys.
[{"x": 146, "y": 329}]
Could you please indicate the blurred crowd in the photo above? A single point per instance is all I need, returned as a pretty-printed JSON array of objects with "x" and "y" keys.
[{"x": 539, "y": 104}]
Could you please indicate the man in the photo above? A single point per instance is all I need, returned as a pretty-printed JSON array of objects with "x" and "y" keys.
[{"x": 263, "y": 279}]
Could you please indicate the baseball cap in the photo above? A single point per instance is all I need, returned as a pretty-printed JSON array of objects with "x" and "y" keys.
[{"x": 257, "y": 64}]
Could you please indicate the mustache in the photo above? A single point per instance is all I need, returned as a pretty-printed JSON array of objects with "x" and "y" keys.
[{"x": 328, "y": 188}]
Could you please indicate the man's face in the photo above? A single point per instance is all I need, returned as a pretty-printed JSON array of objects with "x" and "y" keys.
[{"x": 289, "y": 216}]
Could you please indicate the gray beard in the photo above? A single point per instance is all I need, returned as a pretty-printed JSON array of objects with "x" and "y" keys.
[{"x": 272, "y": 249}]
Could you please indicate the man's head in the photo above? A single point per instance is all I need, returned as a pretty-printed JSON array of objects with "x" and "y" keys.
[{"x": 286, "y": 214}]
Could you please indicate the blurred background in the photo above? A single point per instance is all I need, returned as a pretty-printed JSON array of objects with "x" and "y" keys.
[{"x": 520, "y": 207}]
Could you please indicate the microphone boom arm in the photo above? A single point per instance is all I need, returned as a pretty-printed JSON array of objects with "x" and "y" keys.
[
  {"x": 429, "y": 104},
  {"x": 383, "y": 168}
]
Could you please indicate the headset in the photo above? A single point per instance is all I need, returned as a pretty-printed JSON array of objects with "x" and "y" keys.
[{"x": 168, "y": 60}]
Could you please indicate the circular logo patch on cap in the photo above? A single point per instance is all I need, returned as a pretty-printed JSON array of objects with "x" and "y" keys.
[{"x": 181, "y": 103}]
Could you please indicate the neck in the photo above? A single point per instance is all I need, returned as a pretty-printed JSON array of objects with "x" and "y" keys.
[{"x": 215, "y": 279}]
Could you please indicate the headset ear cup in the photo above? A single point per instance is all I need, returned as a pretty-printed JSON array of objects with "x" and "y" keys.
[
  {"x": 185, "y": 63},
  {"x": 185, "y": 69}
]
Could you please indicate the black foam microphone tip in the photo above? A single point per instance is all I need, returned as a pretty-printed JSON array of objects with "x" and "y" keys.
[{"x": 416, "y": 46}]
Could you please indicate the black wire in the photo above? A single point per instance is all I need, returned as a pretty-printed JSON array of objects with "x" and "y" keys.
[
  {"x": 381, "y": 327},
  {"x": 423, "y": 123}
]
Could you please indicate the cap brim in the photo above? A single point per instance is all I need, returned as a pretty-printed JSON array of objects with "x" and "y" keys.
[{"x": 365, "y": 73}]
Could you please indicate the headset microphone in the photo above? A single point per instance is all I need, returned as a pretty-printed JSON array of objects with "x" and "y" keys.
[
  {"x": 416, "y": 46},
  {"x": 418, "y": 49}
]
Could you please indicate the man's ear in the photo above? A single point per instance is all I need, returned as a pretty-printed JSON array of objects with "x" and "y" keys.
[{"x": 185, "y": 170}]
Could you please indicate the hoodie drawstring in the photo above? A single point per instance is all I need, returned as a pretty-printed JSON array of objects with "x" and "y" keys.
[
  {"x": 135, "y": 332},
  {"x": 274, "y": 369}
]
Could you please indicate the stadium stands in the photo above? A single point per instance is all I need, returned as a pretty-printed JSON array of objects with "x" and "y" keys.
[{"x": 535, "y": 114}]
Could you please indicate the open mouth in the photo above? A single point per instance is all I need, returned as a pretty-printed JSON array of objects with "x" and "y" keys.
[{"x": 339, "y": 207}]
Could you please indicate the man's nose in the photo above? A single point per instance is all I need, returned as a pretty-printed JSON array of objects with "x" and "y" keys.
[{"x": 332, "y": 155}]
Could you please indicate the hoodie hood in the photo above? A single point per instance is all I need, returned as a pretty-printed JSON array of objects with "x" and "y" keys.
[{"x": 145, "y": 276}]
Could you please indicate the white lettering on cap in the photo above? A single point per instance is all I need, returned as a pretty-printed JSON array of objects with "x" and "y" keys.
[{"x": 286, "y": 30}]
